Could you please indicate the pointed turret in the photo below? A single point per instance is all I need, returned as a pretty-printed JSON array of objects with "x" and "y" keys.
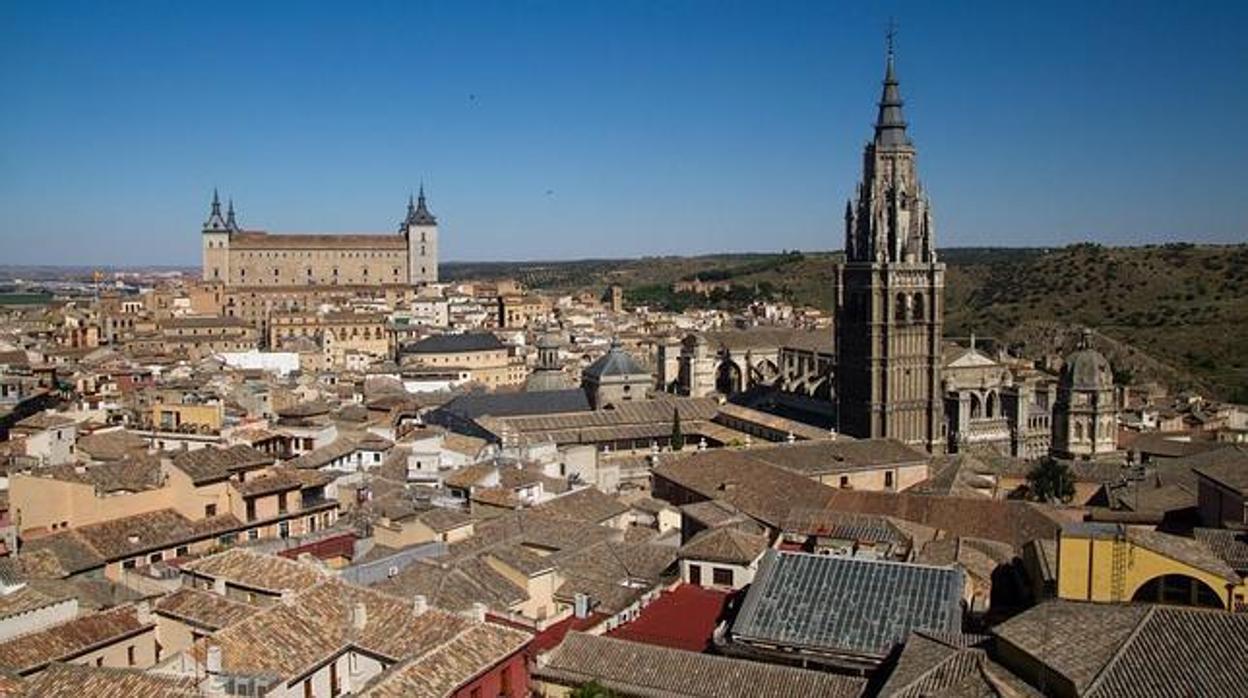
[
  {"x": 421, "y": 215},
  {"x": 890, "y": 126},
  {"x": 230, "y": 221},
  {"x": 215, "y": 221}
]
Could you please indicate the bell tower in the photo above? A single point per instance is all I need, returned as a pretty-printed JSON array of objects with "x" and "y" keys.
[{"x": 890, "y": 317}]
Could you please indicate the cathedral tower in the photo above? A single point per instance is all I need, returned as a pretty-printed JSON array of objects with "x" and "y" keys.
[{"x": 890, "y": 316}]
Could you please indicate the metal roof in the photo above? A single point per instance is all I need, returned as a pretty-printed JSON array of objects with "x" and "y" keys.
[{"x": 847, "y": 605}]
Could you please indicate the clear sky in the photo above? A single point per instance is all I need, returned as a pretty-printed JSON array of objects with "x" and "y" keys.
[{"x": 582, "y": 128}]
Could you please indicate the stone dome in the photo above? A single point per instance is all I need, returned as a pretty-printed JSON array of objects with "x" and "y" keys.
[{"x": 1086, "y": 368}]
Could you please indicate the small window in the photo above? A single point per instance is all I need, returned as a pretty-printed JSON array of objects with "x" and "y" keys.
[
  {"x": 130, "y": 655},
  {"x": 888, "y": 479},
  {"x": 210, "y": 510},
  {"x": 844, "y": 481},
  {"x": 128, "y": 565},
  {"x": 155, "y": 557},
  {"x": 721, "y": 576}
]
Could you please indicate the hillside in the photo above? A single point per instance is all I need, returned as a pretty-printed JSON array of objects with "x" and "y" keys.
[{"x": 1175, "y": 313}]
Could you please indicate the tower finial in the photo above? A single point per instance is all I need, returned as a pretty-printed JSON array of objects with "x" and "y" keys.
[
  {"x": 229, "y": 216},
  {"x": 890, "y": 127}
]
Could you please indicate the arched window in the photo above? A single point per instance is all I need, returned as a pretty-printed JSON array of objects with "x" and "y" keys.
[
  {"x": 1078, "y": 431},
  {"x": 990, "y": 409},
  {"x": 1178, "y": 590},
  {"x": 977, "y": 407},
  {"x": 920, "y": 313},
  {"x": 901, "y": 311}
]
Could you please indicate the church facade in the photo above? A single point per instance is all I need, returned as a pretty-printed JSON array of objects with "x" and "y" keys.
[
  {"x": 890, "y": 316},
  {"x": 236, "y": 258}
]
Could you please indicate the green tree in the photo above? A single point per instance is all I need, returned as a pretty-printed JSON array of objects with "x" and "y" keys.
[
  {"x": 678, "y": 438},
  {"x": 1051, "y": 480},
  {"x": 593, "y": 689}
]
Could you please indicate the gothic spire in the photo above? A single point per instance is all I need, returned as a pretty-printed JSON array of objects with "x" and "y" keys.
[
  {"x": 215, "y": 221},
  {"x": 422, "y": 216},
  {"x": 890, "y": 126},
  {"x": 229, "y": 217}
]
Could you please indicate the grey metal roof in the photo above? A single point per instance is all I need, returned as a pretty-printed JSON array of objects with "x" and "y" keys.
[
  {"x": 418, "y": 213},
  {"x": 847, "y": 605},
  {"x": 513, "y": 404},
  {"x": 890, "y": 126},
  {"x": 616, "y": 362},
  {"x": 450, "y": 343}
]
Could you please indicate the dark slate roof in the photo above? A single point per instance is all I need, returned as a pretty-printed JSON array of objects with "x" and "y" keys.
[
  {"x": 450, "y": 343},
  {"x": 1136, "y": 651},
  {"x": 950, "y": 667},
  {"x": 616, "y": 362},
  {"x": 517, "y": 404},
  {"x": 1087, "y": 369},
  {"x": 847, "y": 605},
  {"x": 1226, "y": 466},
  {"x": 890, "y": 126}
]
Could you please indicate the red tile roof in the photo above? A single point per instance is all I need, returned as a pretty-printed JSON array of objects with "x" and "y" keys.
[{"x": 684, "y": 618}]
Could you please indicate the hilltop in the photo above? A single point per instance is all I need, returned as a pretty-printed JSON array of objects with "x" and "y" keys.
[{"x": 1176, "y": 313}]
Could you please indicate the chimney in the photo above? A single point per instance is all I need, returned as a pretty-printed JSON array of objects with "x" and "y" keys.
[
  {"x": 359, "y": 616},
  {"x": 477, "y": 612},
  {"x": 419, "y": 605},
  {"x": 581, "y": 605},
  {"x": 143, "y": 613},
  {"x": 213, "y": 686}
]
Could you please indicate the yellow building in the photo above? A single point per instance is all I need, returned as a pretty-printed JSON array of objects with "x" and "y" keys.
[
  {"x": 166, "y": 417},
  {"x": 1111, "y": 563},
  {"x": 338, "y": 333},
  {"x": 480, "y": 356}
]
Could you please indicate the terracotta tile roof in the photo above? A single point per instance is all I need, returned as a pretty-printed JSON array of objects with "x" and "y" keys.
[
  {"x": 256, "y": 240},
  {"x": 586, "y": 504},
  {"x": 203, "y": 609},
  {"x": 28, "y": 653},
  {"x": 74, "y": 681},
  {"x": 26, "y": 599},
  {"x": 135, "y": 473},
  {"x": 724, "y": 545},
  {"x": 439, "y": 672},
  {"x": 1225, "y": 466},
  {"x": 931, "y": 665},
  {"x": 1135, "y": 650},
  {"x": 283, "y": 479},
  {"x": 111, "y": 445},
  {"x": 154, "y": 530},
  {"x": 59, "y": 555},
  {"x": 632, "y": 668},
  {"x": 211, "y": 464},
  {"x": 456, "y": 587},
  {"x": 290, "y": 638},
  {"x": 1228, "y": 544},
  {"x": 254, "y": 570}
]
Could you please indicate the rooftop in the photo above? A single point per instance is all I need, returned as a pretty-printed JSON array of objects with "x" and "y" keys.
[
  {"x": 633, "y": 668},
  {"x": 847, "y": 605}
]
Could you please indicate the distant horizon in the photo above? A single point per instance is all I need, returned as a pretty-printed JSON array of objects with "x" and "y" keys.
[{"x": 693, "y": 255}]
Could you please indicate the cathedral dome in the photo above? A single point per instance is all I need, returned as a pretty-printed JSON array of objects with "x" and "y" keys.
[{"x": 1086, "y": 368}]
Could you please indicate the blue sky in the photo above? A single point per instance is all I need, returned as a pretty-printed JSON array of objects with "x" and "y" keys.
[{"x": 573, "y": 129}]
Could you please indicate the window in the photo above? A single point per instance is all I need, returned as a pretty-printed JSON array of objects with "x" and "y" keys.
[
  {"x": 695, "y": 574},
  {"x": 281, "y": 503},
  {"x": 721, "y": 576},
  {"x": 128, "y": 565},
  {"x": 307, "y": 688},
  {"x": 844, "y": 481},
  {"x": 210, "y": 510},
  {"x": 251, "y": 509},
  {"x": 888, "y": 479},
  {"x": 130, "y": 655},
  {"x": 155, "y": 557},
  {"x": 182, "y": 551},
  {"x": 99, "y": 661}
]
